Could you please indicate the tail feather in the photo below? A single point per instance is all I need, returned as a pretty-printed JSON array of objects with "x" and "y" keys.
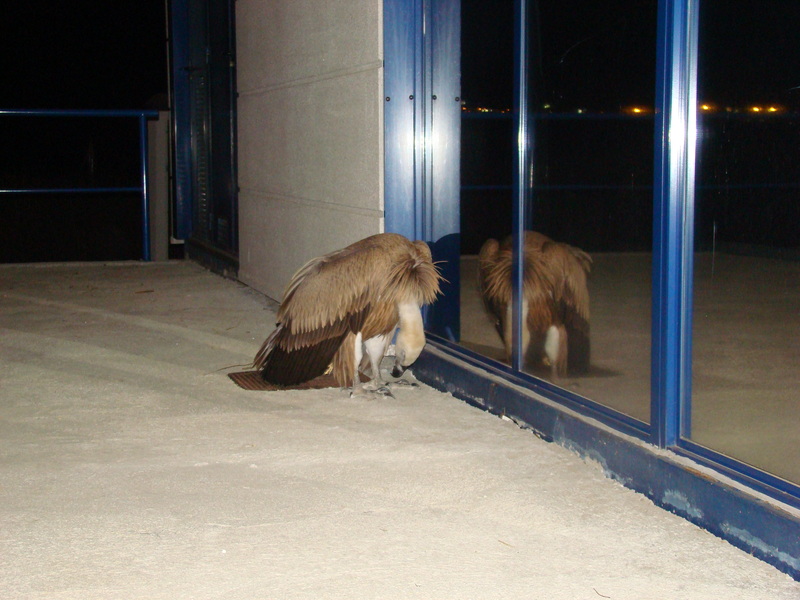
[{"x": 574, "y": 301}]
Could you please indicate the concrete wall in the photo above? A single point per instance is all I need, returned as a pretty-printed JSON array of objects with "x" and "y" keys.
[
  {"x": 158, "y": 184},
  {"x": 310, "y": 111}
]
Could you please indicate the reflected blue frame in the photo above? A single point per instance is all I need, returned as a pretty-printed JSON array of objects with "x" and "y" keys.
[{"x": 521, "y": 181}]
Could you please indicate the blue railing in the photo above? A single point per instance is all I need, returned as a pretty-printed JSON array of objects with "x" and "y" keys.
[{"x": 142, "y": 116}]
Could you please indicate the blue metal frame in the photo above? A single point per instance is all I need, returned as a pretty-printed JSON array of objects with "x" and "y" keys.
[
  {"x": 673, "y": 279},
  {"x": 520, "y": 178},
  {"x": 142, "y": 116},
  {"x": 422, "y": 111},
  {"x": 676, "y": 101},
  {"x": 400, "y": 84}
]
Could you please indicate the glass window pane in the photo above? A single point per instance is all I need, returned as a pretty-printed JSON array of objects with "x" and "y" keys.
[
  {"x": 592, "y": 102},
  {"x": 593, "y": 91},
  {"x": 746, "y": 327},
  {"x": 488, "y": 153}
]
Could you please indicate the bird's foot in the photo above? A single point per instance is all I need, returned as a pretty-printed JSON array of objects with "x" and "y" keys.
[
  {"x": 404, "y": 383},
  {"x": 384, "y": 390},
  {"x": 371, "y": 390}
]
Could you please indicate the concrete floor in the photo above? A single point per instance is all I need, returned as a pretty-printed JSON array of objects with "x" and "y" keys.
[{"x": 132, "y": 467}]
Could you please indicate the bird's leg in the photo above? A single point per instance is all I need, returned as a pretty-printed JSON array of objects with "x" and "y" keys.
[
  {"x": 376, "y": 349},
  {"x": 358, "y": 354},
  {"x": 555, "y": 348}
]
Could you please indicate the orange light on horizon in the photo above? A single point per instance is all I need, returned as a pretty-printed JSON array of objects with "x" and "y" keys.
[{"x": 637, "y": 110}]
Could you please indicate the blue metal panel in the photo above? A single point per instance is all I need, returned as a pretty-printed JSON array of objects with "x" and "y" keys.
[
  {"x": 443, "y": 224},
  {"x": 445, "y": 111},
  {"x": 399, "y": 110},
  {"x": 422, "y": 138},
  {"x": 674, "y": 198},
  {"x": 769, "y": 484}
]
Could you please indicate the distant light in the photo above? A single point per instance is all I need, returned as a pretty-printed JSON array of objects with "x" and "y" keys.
[
  {"x": 546, "y": 106},
  {"x": 580, "y": 111},
  {"x": 755, "y": 109},
  {"x": 637, "y": 110},
  {"x": 706, "y": 107}
]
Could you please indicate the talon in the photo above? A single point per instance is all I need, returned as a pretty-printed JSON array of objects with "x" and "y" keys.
[
  {"x": 359, "y": 392},
  {"x": 405, "y": 382},
  {"x": 384, "y": 391}
]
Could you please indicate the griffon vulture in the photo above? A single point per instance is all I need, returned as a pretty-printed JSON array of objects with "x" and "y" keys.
[
  {"x": 340, "y": 311},
  {"x": 555, "y": 302}
]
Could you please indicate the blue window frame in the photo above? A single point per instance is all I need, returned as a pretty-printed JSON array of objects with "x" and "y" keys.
[{"x": 423, "y": 53}]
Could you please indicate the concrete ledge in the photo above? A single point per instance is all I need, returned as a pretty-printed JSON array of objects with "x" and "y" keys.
[{"x": 759, "y": 525}]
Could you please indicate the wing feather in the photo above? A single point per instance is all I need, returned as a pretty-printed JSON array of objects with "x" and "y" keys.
[
  {"x": 330, "y": 298},
  {"x": 571, "y": 267}
]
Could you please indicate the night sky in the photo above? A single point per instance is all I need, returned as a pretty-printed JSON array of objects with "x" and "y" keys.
[
  {"x": 597, "y": 56},
  {"x": 750, "y": 52},
  {"x": 86, "y": 54}
]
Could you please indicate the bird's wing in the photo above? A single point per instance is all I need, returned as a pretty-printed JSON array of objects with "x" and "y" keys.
[
  {"x": 570, "y": 267},
  {"x": 327, "y": 299},
  {"x": 332, "y": 296},
  {"x": 281, "y": 366},
  {"x": 495, "y": 286},
  {"x": 330, "y": 293}
]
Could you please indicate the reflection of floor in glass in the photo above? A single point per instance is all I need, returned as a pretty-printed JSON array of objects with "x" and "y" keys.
[
  {"x": 746, "y": 380},
  {"x": 746, "y": 346}
]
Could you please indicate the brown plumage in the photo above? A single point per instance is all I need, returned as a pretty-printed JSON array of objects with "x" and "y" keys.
[
  {"x": 555, "y": 299},
  {"x": 342, "y": 309}
]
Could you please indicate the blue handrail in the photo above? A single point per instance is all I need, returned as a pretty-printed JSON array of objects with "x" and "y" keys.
[{"x": 143, "y": 116}]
